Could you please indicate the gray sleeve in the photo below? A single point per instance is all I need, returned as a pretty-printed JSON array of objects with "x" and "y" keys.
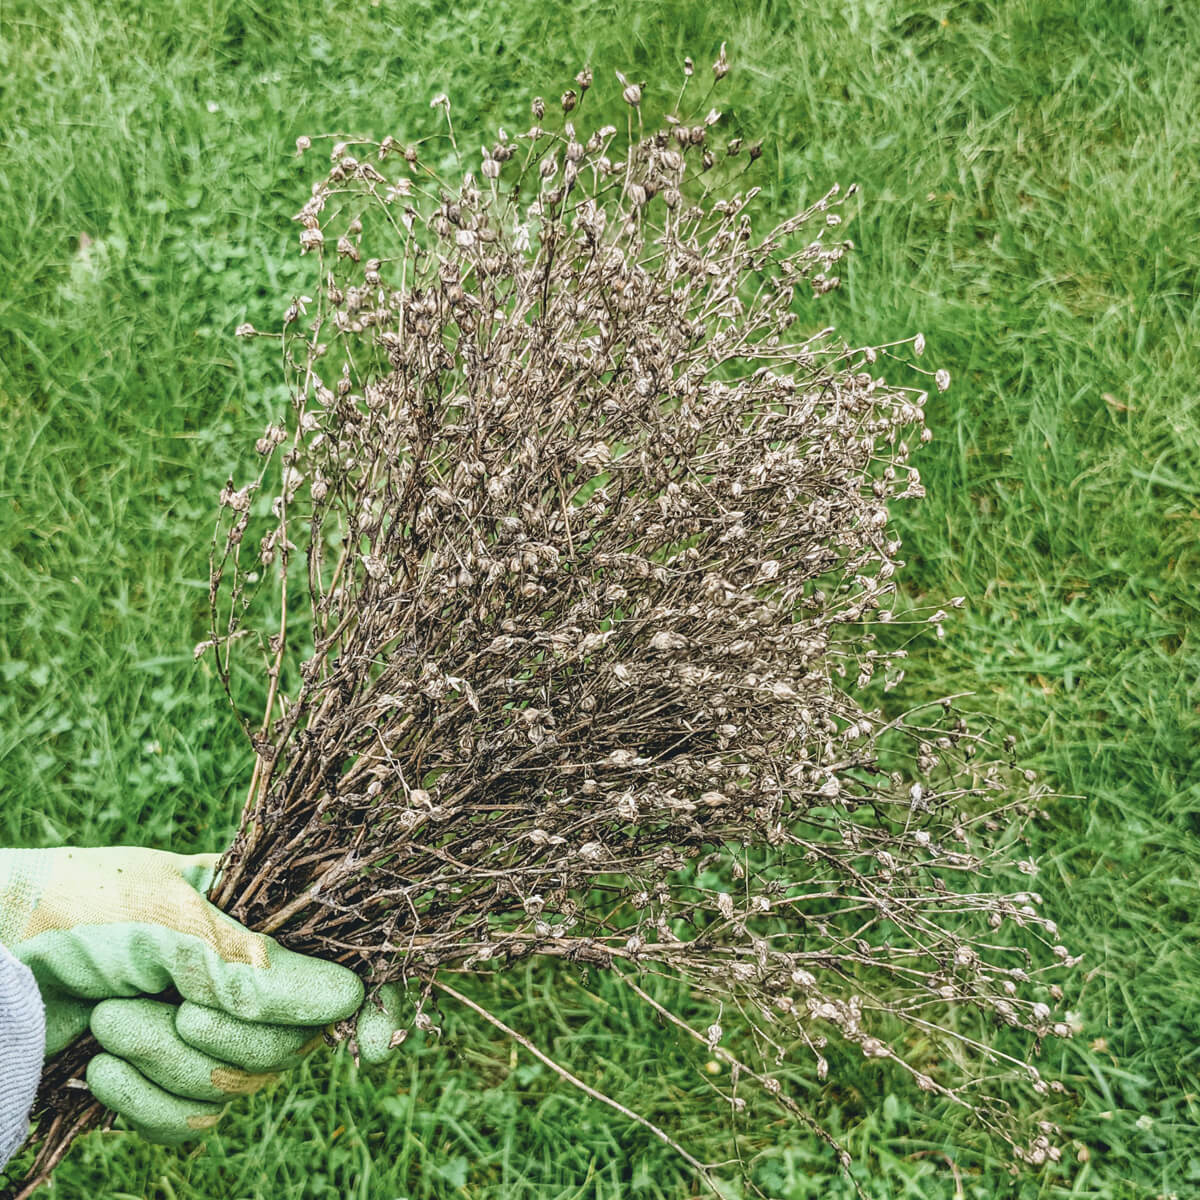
[{"x": 22, "y": 1047}]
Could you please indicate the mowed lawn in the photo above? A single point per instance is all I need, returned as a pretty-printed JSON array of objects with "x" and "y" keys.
[{"x": 1030, "y": 200}]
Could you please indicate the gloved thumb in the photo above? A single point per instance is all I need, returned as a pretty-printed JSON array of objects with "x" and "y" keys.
[{"x": 379, "y": 1029}]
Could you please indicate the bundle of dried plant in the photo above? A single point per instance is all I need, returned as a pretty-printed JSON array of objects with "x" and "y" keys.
[{"x": 592, "y": 551}]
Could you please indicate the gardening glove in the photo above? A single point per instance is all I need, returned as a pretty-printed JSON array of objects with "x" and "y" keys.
[{"x": 102, "y": 929}]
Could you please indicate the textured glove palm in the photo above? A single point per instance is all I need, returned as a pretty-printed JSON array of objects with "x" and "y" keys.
[{"x": 103, "y": 930}]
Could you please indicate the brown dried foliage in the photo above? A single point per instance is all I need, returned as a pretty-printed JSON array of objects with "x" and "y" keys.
[{"x": 591, "y": 542}]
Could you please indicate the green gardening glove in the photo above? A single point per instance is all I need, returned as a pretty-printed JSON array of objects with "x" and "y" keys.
[{"x": 104, "y": 929}]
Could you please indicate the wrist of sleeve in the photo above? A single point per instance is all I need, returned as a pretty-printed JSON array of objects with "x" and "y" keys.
[{"x": 22, "y": 1048}]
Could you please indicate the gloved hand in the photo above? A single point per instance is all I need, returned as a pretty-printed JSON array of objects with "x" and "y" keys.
[{"x": 104, "y": 929}]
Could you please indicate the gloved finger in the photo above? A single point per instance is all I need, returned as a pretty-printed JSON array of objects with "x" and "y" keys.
[
  {"x": 66, "y": 1018},
  {"x": 154, "y": 1112},
  {"x": 379, "y": 1028},
  {"x": 252, "y": 1045},
  {"x": 253, "y": 977},
  {"x": 331, "y": 991},
  {"x": 142, "y": 1032}
]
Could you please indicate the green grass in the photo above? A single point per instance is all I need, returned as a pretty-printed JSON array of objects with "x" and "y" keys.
[{"x": 1029, "y": 171}]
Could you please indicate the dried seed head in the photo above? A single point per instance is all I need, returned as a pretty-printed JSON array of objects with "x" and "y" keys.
[
  {"x": 632, "y": 93},
  {"x": 721, "y": 66}
]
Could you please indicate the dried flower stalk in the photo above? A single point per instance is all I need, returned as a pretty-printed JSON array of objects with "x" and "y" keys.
[{"x": 589, "y": 541}]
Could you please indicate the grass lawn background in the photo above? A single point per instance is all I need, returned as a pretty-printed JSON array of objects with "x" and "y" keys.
[{"x": 1030, "y": 175}]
